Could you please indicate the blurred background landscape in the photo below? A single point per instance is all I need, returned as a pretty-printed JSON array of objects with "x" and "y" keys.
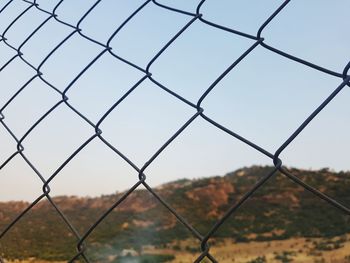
[{"x": 282, "y": 222}]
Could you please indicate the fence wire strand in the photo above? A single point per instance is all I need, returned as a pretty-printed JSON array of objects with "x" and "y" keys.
[{"x": 147, "y": 74}]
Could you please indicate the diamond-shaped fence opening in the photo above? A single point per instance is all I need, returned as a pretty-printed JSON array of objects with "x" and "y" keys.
[
  {"x": 21, "y": 30},
  {"x": 96, "y": 160},
  {"x": 253, "y": 102},
  {"x": 106, "y": 81},
  {"x": 155, "y": 69},
  {"x": 135, "y": 123},
  {"x": 197, "y": 68},
  {"x": 55, "y": 151},
  {"x": 208, "y": 147},
  {"x": 61, "y": 59},
  {"x": 140, "y": 39},
  {"x": 111, "y": 21},
  {"x": 29, "y": 96},
  {"x": 68, "y": 12},
  {"x": 35, "y": 50},
  {"x": 23, "y": 74}
]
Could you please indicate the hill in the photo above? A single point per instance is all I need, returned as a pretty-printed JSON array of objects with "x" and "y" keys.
[{"x": 280, "y": 210}]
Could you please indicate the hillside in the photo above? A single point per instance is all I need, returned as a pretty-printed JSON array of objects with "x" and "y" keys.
[{"x": 280, "y": 210}]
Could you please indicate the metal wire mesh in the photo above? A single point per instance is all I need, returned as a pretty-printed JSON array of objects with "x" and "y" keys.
[{"x": 198, "y": 112}]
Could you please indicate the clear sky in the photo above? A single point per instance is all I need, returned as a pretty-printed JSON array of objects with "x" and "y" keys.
[{"x": 264, "y": 98}]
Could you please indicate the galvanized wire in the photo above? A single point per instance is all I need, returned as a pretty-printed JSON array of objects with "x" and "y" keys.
[{"x": 198, "y": 112}]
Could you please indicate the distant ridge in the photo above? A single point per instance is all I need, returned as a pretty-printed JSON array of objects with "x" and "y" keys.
[{"x": 279, "y": 210}]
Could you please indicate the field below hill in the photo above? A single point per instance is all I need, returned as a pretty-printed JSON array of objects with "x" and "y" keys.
[{"x": 297, "y": 250}]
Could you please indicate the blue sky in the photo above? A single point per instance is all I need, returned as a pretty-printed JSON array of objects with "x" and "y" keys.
[{"x": 264, "y": 98}]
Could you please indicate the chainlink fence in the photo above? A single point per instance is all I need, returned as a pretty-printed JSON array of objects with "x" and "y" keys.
[{"x": 198, "y": 112}]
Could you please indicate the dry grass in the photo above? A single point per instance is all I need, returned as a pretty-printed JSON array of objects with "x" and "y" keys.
[
  {"x": 33, "y": 260},
  {"x": 299, "y": 250}
]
